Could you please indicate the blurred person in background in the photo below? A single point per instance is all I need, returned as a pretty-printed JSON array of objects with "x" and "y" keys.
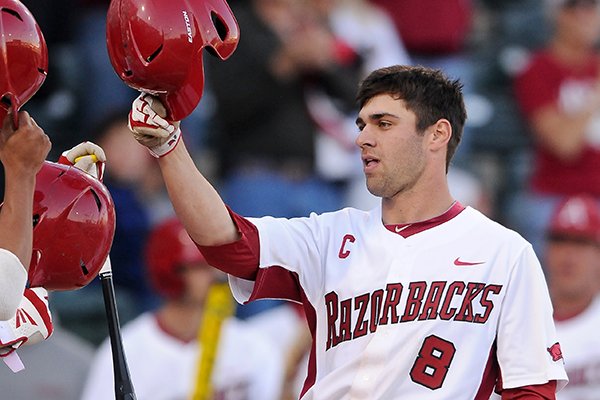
[
  {"x": 265, "y": 136},
  {"x": 130, "y": 178},
  {"x": 572, "y": 261},
  {"x": 162, "y": 345},
  {"x": 559, "y": 95}
]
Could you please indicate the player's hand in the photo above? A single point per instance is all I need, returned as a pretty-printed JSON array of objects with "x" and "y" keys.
[
  {"x": 23, "y": 150},
  {"x": 147, "y": 121},
  {"x": 32, "y": 322},
  {"x": 88, "y": 157}
]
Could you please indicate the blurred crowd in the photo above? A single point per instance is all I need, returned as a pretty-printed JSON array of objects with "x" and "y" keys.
[{"x": 275, "y": 131}]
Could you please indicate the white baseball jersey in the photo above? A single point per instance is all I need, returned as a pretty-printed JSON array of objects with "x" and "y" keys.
[
  {"x": 580, "y": 340},
  {"x": 13, "y": 278},
  {"x": 164, "y": 368},
  {"x": 430, "y": 312}
]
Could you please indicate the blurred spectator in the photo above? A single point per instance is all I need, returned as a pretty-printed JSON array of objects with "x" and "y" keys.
[
  {"x": 162, "y": 347},
  {"x": 56, "y": 105},
  {"x": 436, "y": 34},
  {"x": 102, "y": 92},
  {"x": 572, "y": 261},
  {"x": 265, "y": 135},
  {"x": 559, "y": 95},
  {"x": 371, "y": 35}
]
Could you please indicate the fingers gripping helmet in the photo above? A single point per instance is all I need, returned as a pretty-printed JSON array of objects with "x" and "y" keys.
[
  {"x": 156, "y": 46},
  {"x": 74, "y": 226},
  {"x": 23, "y": 57},
  {"x": 169, "y": 247}
]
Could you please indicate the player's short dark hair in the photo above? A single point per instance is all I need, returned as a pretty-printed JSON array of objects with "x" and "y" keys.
[{"x": 426, "y": 92}]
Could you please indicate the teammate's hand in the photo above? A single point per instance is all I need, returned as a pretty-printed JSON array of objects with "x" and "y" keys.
[
  {"x": 88, "y": 157},
  {"x": 32, "y": 322},
  {"x": 23, "y": 150},
  {"x": 150, "y": 128}
]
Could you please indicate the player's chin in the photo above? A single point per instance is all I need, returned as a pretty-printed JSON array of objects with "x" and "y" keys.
[{"x": 375, "y": 187}]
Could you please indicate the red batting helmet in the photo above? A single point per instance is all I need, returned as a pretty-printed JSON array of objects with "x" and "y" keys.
[
  {"x": 169, "y": 247},
  {"x": 576, "y": 217},
  {"x": 156, "y": 46},
  {"x": 23, "y": 57},
  {"x": 74, "y": 226}
]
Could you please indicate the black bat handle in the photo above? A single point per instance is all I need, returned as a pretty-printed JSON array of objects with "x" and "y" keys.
[{"x": 123, "y": 385}]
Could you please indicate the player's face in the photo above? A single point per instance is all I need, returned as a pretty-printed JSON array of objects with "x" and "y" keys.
[
  {"x": 392, "y": 151},
  {"x": 573, "y": 268},
  {"x": 198, "y": 279}
]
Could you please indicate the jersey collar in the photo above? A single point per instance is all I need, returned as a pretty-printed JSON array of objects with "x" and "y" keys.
[{"x": 406, "y": 230}]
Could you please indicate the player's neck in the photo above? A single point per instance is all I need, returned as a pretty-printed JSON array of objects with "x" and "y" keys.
[{"x": 416, "y": 205}]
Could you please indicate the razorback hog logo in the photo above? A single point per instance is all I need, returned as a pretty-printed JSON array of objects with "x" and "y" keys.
[{"x": 555, "y": 352}]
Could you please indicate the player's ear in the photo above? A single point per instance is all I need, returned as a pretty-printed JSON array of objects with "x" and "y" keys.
[{"x": 441, "y": 132}]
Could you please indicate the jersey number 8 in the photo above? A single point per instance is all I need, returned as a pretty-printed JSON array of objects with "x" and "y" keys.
[{"x": 431, "y": 366}]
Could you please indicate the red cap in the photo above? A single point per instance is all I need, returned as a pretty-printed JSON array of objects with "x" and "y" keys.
[{"x": 578, "y": 217}]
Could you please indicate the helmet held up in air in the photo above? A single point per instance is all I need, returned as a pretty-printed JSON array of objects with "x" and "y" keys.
[
  {"x": 156, "y": 46},
  {"x": 23, "y": 57}
]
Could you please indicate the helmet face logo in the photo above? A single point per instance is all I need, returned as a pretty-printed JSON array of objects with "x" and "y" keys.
[{"x": 188, "y": 26}]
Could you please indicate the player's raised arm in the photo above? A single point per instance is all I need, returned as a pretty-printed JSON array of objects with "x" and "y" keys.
[
  {"x": 195, "y": 200},
  {"x": 22, "y": 152}
]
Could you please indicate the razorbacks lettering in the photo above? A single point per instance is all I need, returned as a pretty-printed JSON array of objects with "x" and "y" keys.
[{"x": 357, "y": 316}]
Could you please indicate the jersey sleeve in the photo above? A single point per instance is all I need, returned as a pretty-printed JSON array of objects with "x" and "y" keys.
[
  {"x": 528, "y": 350},
  {"x": 289, "y": 263},
  {"x": 13, "y": 278}
]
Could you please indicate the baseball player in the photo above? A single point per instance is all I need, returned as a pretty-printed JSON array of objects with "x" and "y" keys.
[
  {"x": 419, "y": 298},
  {"x": 572, "y": 260},
  {"x": 31, "y": 184},
  {"x": 161, "y": 346}
]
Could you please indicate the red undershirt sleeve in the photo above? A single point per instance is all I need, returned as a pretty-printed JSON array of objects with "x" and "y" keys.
[
  {"x": 546, "y": 391},
  {"x": 239, "y": 258}
]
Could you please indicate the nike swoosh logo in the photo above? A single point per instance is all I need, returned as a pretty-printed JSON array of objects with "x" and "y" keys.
[{"x": 459, "y": 263}]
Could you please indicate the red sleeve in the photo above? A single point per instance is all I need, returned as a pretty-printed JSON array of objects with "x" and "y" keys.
[
  {"x": 547, "y": 391},
  {"x": 239, "y": 258}
]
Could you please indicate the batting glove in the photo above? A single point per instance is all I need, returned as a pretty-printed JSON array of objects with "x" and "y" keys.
[
  {"x": 150, "y": 128},
  {"x": 88, "y": 157},
  {"x": 31, "y": 324}
]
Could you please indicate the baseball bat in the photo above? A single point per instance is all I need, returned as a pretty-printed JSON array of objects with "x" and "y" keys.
[
  {"x": 123, "y": 384},
  {"x": 218, "y": 307}
]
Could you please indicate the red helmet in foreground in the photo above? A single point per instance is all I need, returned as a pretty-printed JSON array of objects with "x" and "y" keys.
[
  {"x": 169, "y": 248},
  {"x": 74, "y": 226},
  {"x": 156, "y": 46},
  {"x": 23, "y": 57}
]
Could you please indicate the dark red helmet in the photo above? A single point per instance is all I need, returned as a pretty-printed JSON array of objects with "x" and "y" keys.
[
  {"x": 23, "y": 57},
  {"x": 74, "y": 226},
  {"x": 169, "y": 247},
  {"x": 156, "y": 46}
]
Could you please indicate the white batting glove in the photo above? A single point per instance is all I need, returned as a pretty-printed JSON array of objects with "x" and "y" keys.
[
  {"x": 88, "y": 157},
  {"x": 150, "y": 128},
  {"x": 32, "y": 322}
]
